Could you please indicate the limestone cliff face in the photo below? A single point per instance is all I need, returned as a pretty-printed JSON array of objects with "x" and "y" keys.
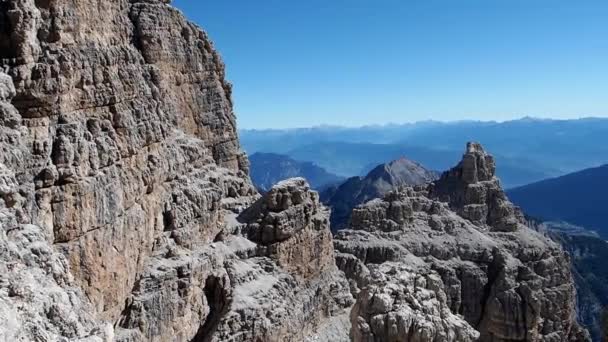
[
  {"x": 120, "y": 183},
  {"x": 468, "y": 250}
]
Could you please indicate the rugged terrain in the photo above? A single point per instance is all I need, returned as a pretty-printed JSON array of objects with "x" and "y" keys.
[
  {"x": 455, "y": 261},
  {"x": 121, "y": 180},
  {"x": 588, "y": 254},
  {"x": 127, "y": 213},
  {"x": 342, "y": 198}
]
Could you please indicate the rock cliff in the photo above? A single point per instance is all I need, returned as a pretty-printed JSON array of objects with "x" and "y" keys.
[
  {"x": 471, "y": 261},
  {"x": 127, "y": 213},
  {"x": 121, "y": 185}
]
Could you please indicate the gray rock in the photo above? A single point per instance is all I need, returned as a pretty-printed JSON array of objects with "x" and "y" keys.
[
  {"x": 504, "y": 284},
  {"x": 404, "y": 304},
  {"x": 121, "y": 179},
  {"x": 473, "y": 191},
  {"x": 382, "y": 179},
  {"x": 127, "y": 212}
]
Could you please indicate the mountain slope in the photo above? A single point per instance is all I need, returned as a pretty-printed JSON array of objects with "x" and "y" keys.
[
  {"x": 382, "y": 179},
  {"x": 578, "y": 198},
  {"x": 588, "y": 255},
  {"x": 267, "y": 169}
]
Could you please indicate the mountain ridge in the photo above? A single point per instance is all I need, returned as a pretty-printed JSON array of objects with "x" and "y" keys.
[
  {"x": 463, "y": 231},
  {"x": 575, "y": 198},
  {"x": 344, "y": 197},
  {"x": 541, "y": 148}
]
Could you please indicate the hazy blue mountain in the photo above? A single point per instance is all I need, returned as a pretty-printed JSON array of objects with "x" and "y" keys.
[
  {"x": 564, "y": 145},
  {"x": 579, "y": 198},
  {"x": 382, "y": 179},
  {"x": 267, "y": 169},
  {"x": 283, "y": 140},
  {"x": 554, "y": 147},
  {"x": 354, "y": 159}
]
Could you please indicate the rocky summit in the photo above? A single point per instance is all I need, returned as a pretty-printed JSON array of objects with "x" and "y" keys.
[
  {"x": 343, "y": 198},
  {"x": 455, "y": 261},
  {"x": 127, "y": 212}
]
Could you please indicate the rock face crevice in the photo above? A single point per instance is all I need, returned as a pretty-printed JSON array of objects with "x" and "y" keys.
[{"x": 219, "y": 299}]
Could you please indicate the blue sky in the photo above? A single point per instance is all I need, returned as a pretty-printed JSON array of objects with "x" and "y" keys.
[{"x": 355, "y": 62}]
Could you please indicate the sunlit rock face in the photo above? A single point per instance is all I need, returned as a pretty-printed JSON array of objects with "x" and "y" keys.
[
  {"x": 121, "y": 184},
  {"x": 127, "y": 212},
  {"x": 473, "y": 191},
  {"x": 498, "y": 279}
]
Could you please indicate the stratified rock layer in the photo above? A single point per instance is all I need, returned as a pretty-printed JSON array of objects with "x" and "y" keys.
[
  {"x": 127, "y": 213},
  {"x": 472, "y": 254},
  {"x": 121, "y": 180}
]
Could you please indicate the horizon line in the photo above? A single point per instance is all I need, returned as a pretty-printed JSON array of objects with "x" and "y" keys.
[{"x": 418, "y": 122}]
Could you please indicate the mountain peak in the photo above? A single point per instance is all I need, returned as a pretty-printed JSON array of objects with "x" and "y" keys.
[
  {"x": 382, "y": 179},
  {"x": 401, "y": 172},
  {"x": 473, "y": 191},
  {"x": 476, "y": 165}
]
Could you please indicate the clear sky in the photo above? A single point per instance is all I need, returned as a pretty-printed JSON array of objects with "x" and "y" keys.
[{"x": 298, "y": 63}]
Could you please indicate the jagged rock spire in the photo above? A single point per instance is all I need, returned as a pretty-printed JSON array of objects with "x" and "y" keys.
[
  {"x": 472, "y": 190},
  {"x": 476, "y": 165}
]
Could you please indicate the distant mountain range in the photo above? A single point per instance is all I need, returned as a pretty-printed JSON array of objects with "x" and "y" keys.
[
  {"x": 267, "y": 169},
  {"x": 526, "y": 150},
  {"x": 382, "y": 179},
  {"x": 579, "y": 198},
  {"x": 349, "y": 159}
]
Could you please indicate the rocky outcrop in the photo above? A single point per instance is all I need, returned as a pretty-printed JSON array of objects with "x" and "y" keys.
[
  {"x": 402, "y": 304},
  {"x": 383, "y": 178},
  {"x": 292, "y": 285},
  {"x": 268, "y": 275},
  {"x": 498, "y": 277},
  {"x": 473, "y": 191},
  {"x": 121, "y": 184},
  {"x": 293, "y": 228}
]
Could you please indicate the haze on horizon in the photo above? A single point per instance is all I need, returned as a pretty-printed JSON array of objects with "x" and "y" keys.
[{"x": 361, "y": 62}]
